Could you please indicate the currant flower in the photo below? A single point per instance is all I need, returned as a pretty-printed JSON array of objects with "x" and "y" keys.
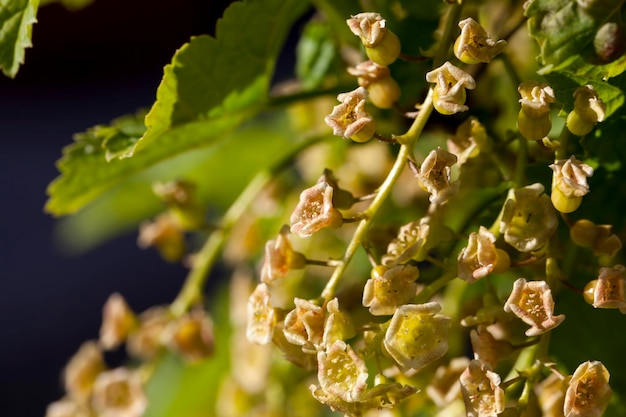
[
  {"x": 315, "y": 211},
  {"x": 589, "y": 109},
  {"x": 417, "y": 335},
  {"x": 337, "y": 325},
  {"x": 469, "y": 140},
  {"x": 119, "y": 393},
  {"x": 569, "y": 183},
  {"x": 474, "y": 45},
  {"x": 82, "y": 370},
  {"x": 480, "y": 257},
  {"x": 341, "y": 372},
  {"x": 481, "y": 390},
  {"x": 528, "y": 218},
  {"x": 588, "y": 392},
  {"x": 180, "y": 198},
  {"x": 165, "y": 234},
  {"x": 349, "y": 119},
  {"x": 118, "y": 321},
  {"x": 487, "y": 348},
  {"x": 609, "y": 290},
  {"x": 551, "y": 395},
  {"x": 533, "y": 120},
  {"x": 532, "y": 302},
  {"x": 304, "y": 325},
  {"x": 450, "y": 85},
  {"x": 145, "y": 341},
  {"x": 261, "y": 316},
  {"x": 383, "y": 90},
  {"x": 381, "y": 45},
  {"x": 389, "y": 288},
  {"x": 434, "y": 176},
  {"x": 280, "y": 258},
  {"x": 190, "y": 336},
  {"x": 66, "y": 407},
  {"x": 600, "y": 238},
  {"x": 444, "y": 387}
]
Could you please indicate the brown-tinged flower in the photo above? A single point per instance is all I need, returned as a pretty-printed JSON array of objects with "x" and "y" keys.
[
  {"x": 609, "y": 290},
  {"x": 474, "y": 45},
  {"x": 337, "y": 325},
  {"x": 589, "y": 109},
  {"x": 417, "y": 335},
  {"x": 261, "y": 316},
  {"x": 119, "y": 393},
  {"x": 528, "y": 218},
  {"x": 304, "y": 325},
  {"x": 342, "y": 372},
  {"x": 569, "y": 183},
  {"x": 551, "y": 395},
  {"x": 165, "y": 235},
  {"x": 449, "y": 91},
  {"x": 145, "y": 342},
  {"x": 381, "y": 45},
  {"x": 487, "y": 348},
  {"x": 478, "y": 258},
  {"x": 190, "y": 336},
  {"x": 532, "y": 302},
  {"x": 118, "y": 321},
  {"x": 82, "y": 370},
  {"x": 389, "y": 288},
  {"x": 434, "y": 176},
  {"x": 469, "y": 140},
  {"x": 315, "y": 211},
  {"x": 588, "y": 392},
  {"x": 382, "y": 88},
  {"x": 481, "y": 390},
  {"x": 280, "y": 258},
  {"x": 600, "y": 238},
  {"x": 444, "y": 387},
  {"x": 533, "y": 119},
  {"x": 349, "y": 119},
  {"x": 66, "y": 407}
]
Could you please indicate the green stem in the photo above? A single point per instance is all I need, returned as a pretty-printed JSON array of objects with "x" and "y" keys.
[
  {"x": 561, "y": 151},
  {"x": 408, "y": 141},
  {"x": 449, "y": 31},
  {"x": 520, "y": 165},
  {"x": 425, "y": 294}
]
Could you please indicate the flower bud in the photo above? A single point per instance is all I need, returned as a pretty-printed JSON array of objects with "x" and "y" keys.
[
  {"x": 68, "y": 408},
  {"x": 180, "y": 198},
  {"x": 532, "y": 302},
  {"x": 478, "y": 258},
  {"x": 444, "y": 387},
  {"x": 383, "y": 90},
  {"x": 145, "y": 342},
  {"x": 474, "y": 44},
  {"x": 449, "y": 91},
  {"x": 569, "y": 183},
  {"x": 588, "y": 110},
  {"x": 469, "y": 140},
  {"x": 349, "y": 119},
  {"x": 588, "y": 392},
  {"x": 381, "y": 45}
]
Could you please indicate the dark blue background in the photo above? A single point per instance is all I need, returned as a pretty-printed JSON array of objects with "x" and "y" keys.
[{"x": 86, "y": 67}]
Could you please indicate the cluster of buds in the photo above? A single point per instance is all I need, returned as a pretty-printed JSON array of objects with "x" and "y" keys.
[{"x": 533, "y": 120}]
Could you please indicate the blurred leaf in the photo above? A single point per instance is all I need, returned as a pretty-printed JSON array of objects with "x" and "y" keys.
[
  {"x": 16, "y": 23},
  {"x": 337, "y": 12},
  {"x": 212, "y": 85},
  {"x": 315, "y": 54},
  {"x": 565, "y": 33},
  {"x": 71, "y": 5}
]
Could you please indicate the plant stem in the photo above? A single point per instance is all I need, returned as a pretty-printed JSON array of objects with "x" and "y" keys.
[
  {"x": 425, "y": 294},
  {"x": 408, "y": 141}
]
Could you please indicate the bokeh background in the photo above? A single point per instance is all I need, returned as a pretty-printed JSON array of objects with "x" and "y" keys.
[{"x": 86, "y": 67}]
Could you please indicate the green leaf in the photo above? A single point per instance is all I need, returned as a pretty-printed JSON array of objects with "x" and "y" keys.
[
  {"x": 315, "y": 54},
  {"x": 211, "y": 86},
  {"x": 565, "y": 33},
  {"x": 16, "y": 22},
  {"x": 71, "y": 5}
]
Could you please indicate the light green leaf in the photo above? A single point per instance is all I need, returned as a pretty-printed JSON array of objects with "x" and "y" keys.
[
  {"x": 315, "y": 54},
  {"x": 211, "y": 86},
  {"x": 71, "y": 5},
  {"x": 16, "y": 23}
]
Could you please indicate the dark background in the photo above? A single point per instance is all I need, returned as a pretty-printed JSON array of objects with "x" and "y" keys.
[{"x": 86, "y": 67}]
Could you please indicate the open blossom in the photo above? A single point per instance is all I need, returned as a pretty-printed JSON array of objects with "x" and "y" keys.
[
  {"x": 478, "y": 258},
  {"x": 349, "y": 119},
  {"x": 588, "y": 392},
  {"x": 370, "y": 27},
  {"x": 449, "y": 91},
  {"x": 444, "y": 387},
  {"x": 118, "y": 321},
  {"x": 481, "y": 390},
  {"x": 342, "y": 372},
  {"x": 261, "y": 316},
  {"x": 474, "y": 45},
  {"x": 536, "y": 98},
  {"x": 315, "y": 211},
  {"x": 532, "y": 302},
  {"x": 389, "y": 288},
  {"x": 588, "y": 110},
  {"x": 417, "y": 335},
  {"x": 146, "y": 341},
  {"x": 119, "y": 393},
  {"x": 337, "y": 325},
  {"x": 609, "y": 290},
  {"x": 190, "y": 336},
  {"x": 82, "y": 371},
  {"x": 469, "y": 140},
  {"x": 570, "y": 176},
  {"x": 528, "y": 218},
  {"x": 280, "y": 258},
  {"x": 434, "y": 176},
  {"x": 304, "y": 325}
]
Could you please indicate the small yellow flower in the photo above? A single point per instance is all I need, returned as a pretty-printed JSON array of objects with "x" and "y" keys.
[
  {"x": 479, "y": 258},
  {"x": 66, "y": 407},
  {"x": 474, "y": 45},
  {"x": 569, "y": 183},
  {"x": 190, "y": 336},
  {"x": 609, "y": 290},
  {"x": 589, "y": 109},
  {"x": 337, "y": 325},
  {"x": 341, "y": 372},
  {"x": 145, "y": 342},
  {"x": 261, "y": 316},
  {"x": 469, "y": 140},
  {"x": 82, "y": 370},
  {"x": 119, "y": 393},
  {"x": 389, "y": 288},
  {"x": 315, "y": 211},
  {"x": 280, "y": 258},
  {"x": 481, "y": 390},
  {"x": 304, "y": 325},
  {"x": 449, "y": 91},
  {"x": 533, "y": 120},
  {"x": 381, "y": 45},
  {"x": 434, "y": 176},
  {"x": 588, "y": 392},
  {"x": 444, "y": 387},
  {"x": 350, "y": 119},
  {"x": 532, "y": 302},
  {"x": 118, "y": 321},
  {"x": 417, "y": 335}
]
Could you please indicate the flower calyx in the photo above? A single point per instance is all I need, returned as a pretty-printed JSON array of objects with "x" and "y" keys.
[
  {"x": 383, "y": 90},
  {"x": 350, "y": 119},
  {"x": 389, "y": 288},
  {"x": 589, "y": 109},
  {"x": 532, "y": 302},
  {"x": 381, "y": 45},
  {"x": 474, "y": 45},
  {"x": 608, "y": 290},
  {"x": 449, "y": 90},
  {"x": 481, "y": 257},
  {"x": 315, "y": 211},
  {"x": 569, "y": 183},
  {"x": 533, "y": 119},
  {"x": 434, "y": 175}
]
